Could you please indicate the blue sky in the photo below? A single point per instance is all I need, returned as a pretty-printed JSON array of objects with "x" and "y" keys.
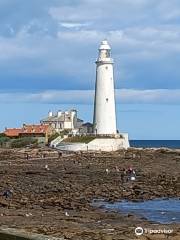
[{"x": 48, "y": 50}]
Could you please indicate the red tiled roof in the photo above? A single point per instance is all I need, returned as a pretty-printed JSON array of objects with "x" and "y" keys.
[
  {"x": 12, "y": 132},
  {"x": 34, "y": 129},
  {"x": 26, "y": 129}
]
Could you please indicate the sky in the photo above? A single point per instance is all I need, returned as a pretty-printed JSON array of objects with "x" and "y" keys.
[{"x": 48, "y": 51}]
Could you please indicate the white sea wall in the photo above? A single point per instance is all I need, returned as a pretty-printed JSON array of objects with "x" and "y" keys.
[
  {"x": 108, "y": 144},
  {"x": 98, "y": 144},
  {"x": 74, "y": 147}
]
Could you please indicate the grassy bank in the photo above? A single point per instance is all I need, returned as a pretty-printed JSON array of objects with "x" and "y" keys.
[{"x": 79, "y": 139}]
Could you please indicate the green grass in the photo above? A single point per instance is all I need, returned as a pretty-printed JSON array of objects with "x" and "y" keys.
[
  {"x": 3, "y": 140},
  {"x": 79, "y": 139},
  {"x": 23, "y": 142}
]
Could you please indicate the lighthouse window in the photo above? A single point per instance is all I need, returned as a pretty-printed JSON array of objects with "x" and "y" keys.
[
  {"x": 108, "y": 53},
  {"x": 107, "y": 99},
  {"x": 106, "y": 67}
]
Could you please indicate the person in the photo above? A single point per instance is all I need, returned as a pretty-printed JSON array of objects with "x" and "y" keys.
[
  {"x": 123, "y": 174},
  {"x": 59, "y": 154},
  {"x": 117, "y": 169},
  {"x": 46, "y": 167},
  {"x": 7, "y": 193},
  {"x": 131, "y": 174},
  {"x": 27, "y": 156}
]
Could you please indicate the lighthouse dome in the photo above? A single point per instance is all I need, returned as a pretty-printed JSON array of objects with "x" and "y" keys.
[{"x": 104, "y": 45}]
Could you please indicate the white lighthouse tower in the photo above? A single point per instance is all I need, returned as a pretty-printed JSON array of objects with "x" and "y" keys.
[
  {"x": 104, "y": 121},
  {"x": 105, "y": 137}
]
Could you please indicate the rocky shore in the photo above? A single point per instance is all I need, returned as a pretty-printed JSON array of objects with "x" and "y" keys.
[{"x": 52, "y": 194}]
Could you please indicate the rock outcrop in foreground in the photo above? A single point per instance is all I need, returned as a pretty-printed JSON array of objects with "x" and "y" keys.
[{"x": 52, "y": 194}]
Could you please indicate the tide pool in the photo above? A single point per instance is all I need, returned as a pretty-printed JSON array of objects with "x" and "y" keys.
[{"x": 158, "y": 210}]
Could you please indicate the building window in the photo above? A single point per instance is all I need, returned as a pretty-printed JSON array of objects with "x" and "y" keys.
[{"x": 107, "y": 99}]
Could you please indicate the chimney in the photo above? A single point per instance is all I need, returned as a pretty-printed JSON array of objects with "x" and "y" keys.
[
  {"x": 59, "y": 113},
  {"x": 50, "y": 114}
]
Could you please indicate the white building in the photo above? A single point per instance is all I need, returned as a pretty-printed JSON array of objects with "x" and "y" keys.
[
  {"x": 104, "y": 104},
  {"x": 60, "y": 121}
]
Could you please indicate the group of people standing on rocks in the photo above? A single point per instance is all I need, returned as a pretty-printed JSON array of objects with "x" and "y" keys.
[
  {"x": 43, "y": 155},
  {"x": 128, "y": 174}
]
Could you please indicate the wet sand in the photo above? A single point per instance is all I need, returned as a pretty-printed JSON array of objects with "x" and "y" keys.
[{"x": 56, "y": 199}]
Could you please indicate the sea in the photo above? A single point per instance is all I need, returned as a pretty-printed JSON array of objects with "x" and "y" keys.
[{"x": 155, "y": 143}]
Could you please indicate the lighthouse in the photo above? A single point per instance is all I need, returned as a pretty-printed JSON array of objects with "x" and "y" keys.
[
  {"x": 104, "y": 121},
  {"x": 105, "y": 137}
]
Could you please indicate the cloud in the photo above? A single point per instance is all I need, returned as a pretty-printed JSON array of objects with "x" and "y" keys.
[
  {"x": 120, "y": 13},
  {"x": 155, "y": 96},
  {"x": 123, "y": 96},
  {"x": 53, "y": 44},
  {"x": 75, "y": 25},
  {"x": 144, "y": 58}
]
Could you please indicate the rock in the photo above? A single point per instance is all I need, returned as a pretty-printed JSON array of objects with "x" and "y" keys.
[
  {"x": 107, "y": 237},
  {"x": 157, "y": 236},
  {"x": 71, "y": 187},
  {"x": 177, "y": 237}
]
